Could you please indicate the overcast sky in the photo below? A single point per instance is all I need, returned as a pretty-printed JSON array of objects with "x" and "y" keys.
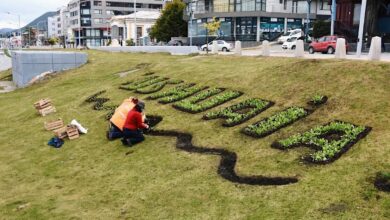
[{"x": 27, "y": 9}]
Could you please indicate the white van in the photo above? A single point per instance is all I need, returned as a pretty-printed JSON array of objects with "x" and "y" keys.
[{"x": 293, "y": 33}]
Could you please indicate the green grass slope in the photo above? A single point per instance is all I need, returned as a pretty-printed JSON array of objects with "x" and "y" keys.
[{"x": 92, "y": 178}]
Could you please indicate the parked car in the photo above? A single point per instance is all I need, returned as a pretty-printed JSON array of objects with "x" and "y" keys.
[
  {"x": 293, "y": 33},
  {"x": 178, "y": 41},
  {"x": 222, "y": 46},
  {"x": 291, "y": 43},
  {"x": 325, "y": 44}
]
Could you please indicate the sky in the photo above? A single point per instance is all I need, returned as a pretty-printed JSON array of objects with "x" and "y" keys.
[{"x": 27, "y": 9}]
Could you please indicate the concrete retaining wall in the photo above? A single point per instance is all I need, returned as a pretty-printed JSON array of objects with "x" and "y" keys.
[
  {"x": 26, "y": 65},
  {"x": 174, "y": 50}
]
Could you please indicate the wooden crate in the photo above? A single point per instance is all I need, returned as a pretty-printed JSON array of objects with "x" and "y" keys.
[
  {"x": 72, "y": 132},
  {"x": 53, "y": 125},
  {"x": 43, "y": 103},
  {"x": 61, "y": 132},
  {"x": 47, "y": 110}
]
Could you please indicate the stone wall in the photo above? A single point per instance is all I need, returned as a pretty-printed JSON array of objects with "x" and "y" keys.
[
  {"x": 26, "y": 65},
  {"x": 174, "y": 50}
]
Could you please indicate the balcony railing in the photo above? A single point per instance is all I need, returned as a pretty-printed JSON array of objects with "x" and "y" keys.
[{"x": 300, "y": 8}]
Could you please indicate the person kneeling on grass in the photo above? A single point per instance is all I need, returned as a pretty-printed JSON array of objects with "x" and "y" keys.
[{"x": 132, "y": 129}]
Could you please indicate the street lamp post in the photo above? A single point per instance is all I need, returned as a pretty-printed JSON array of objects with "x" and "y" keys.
[
  {"x": 20, "y": 29},
  {"x": 135, "y": 21},
  {"x": 308, "y": 18},
  {"x": 333, "y": 18},
  {"x": 361, "y": 28}
]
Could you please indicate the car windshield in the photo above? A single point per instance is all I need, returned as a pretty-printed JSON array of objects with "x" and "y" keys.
[{"x": 287, "y": 34}]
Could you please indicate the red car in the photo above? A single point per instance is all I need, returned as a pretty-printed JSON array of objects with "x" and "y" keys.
[{"x": 326, "y": 44}]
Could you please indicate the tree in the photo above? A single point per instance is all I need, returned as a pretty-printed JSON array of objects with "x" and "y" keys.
[
  {"x": 170, "y": 23},
  {"x": 29, "y": 36},
  {"x": 321, "y": 28},
  {"x": 211, "y": 28},
  {"x": 53, "y": 40}
]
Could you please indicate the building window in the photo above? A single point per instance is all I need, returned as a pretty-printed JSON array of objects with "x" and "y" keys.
[
  {"x": 324, "y": 5},
  {"x": 110, "y": 12},
  {"x": 97, "y": 11},
  {"x": 85, "y": 12},
  {"x": 294, "y": 6},
  {"x": 97, "y": 3},
  {"x": 86, "y": 21},
  {"x": 98, "y": 20}
]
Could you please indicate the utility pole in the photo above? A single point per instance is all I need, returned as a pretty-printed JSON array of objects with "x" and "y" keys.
[
  {"x": 308, "y": 18},
  {"x": 361, "y": 28},
  {"x": 333, "y": 11},
  {"x": 191, "y": 12}
]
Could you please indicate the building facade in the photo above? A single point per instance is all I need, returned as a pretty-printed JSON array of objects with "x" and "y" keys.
[
  {"x": 133, "y": 26},
  {"x": 253, "y": 20},
  {"x": 89, "y": 20},
  {"x": 377, "y": 18},
  {"x": 58, "y": 25}
]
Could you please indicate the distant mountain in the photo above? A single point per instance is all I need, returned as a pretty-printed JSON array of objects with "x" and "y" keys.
[
  {"x": 5, "y": 30},
  {"x": 42, "y": 20}
]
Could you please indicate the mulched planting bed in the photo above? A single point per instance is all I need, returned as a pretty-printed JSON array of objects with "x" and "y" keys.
[
  {"x": 318, "y": 100},
  {"x": 330, "y": 141},
  {"x": 276, "y": 122},
  {"x": 382, "y": 181},
  {"x": 241, "y": 112},
  {"x": 206, "y": 100},
  {"x": 99, "y": 103},
  {"x": 228, "y": 159},
  {"x": 141, "y": 84},
  {"x": 177, "y": 93},
  {"x": 157, "y": 86}
]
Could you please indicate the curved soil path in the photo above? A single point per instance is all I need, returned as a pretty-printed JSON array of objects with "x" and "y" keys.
[{"x": 227, "y": 162}]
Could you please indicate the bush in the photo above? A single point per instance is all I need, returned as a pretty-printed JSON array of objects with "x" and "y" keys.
[
  {"x": 52, "y": 41},
  {"x": 321, "y": 28},
  {"x": 130, "y": 42}
]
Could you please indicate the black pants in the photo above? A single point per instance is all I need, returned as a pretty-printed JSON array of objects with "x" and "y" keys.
[
  {"x": 114, "y": 132},
  {"x": 133, "y": 136}
]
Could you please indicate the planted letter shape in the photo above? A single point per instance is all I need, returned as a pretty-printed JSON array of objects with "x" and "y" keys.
[
  {"x": 142, "y": 83},
  {"x": 177, "y": 93},
  {"x": 241, "y": 112},
  {"x": 202, "y": 101},
  {"x": 330, "y": 140},
  {"x": 156, "y": 87},
  {"x": 281, "y": 119}
]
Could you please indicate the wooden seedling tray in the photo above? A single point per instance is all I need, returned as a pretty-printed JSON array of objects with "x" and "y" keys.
[
  {"x": 43, "y": 103},
  {"x": 61, "y": 132},
  {"x": 72, "y": 132},
  {"x": 53, "y": 125},
  {"x": 47, "y": 110}
]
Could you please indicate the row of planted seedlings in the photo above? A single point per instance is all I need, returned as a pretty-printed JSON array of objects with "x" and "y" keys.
[{"x": 329, "y": 141}]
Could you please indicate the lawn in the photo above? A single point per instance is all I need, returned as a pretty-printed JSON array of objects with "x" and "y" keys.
[{"x": 92, "y": 178}]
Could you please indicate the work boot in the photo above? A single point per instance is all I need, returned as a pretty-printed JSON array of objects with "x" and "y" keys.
[{"x": 126, "y": 142}]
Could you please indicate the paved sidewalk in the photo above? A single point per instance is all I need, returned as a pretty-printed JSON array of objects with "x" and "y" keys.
[
  {"x": 7, "y": 86},
  {"x": 276, "y": 51},
  {"x": 5, "y": 62}
]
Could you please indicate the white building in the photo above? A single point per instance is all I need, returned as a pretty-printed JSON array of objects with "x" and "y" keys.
[
  {"x": 133, "y": 26},
  {"x": 58, "y": 24}
]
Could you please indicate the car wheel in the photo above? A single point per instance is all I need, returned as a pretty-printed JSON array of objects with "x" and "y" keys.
[
  {"x": 311, "y": 50},
  {"x": 224, "y": 49},
  {"x": 330, "y": 50},
  {"x": 204, "y": 48},
  {"x": 293, "y": 47}
]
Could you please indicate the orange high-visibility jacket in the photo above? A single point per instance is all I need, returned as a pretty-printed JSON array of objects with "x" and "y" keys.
[{"x": 119, "y": 117}]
